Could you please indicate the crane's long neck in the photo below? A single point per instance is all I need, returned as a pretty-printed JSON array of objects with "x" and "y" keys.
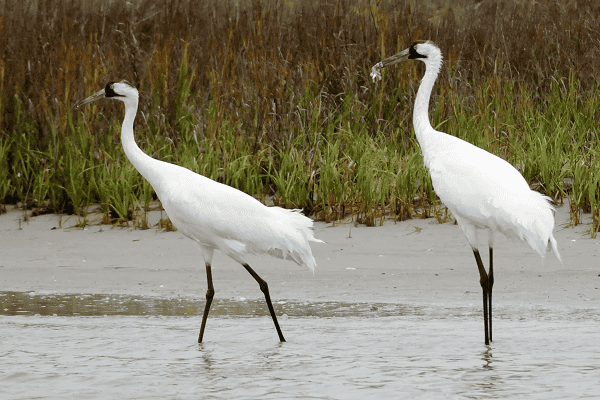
[
  {"x": 421, "y": 123},
  {"x": 145, "y": 164}
]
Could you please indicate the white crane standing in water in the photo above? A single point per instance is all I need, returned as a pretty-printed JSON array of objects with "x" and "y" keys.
[
  {"x": 483, "y": 191},
  {"x": 214, "y": 215}
]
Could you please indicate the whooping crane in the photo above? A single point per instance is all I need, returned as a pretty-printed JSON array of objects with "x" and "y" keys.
[
  {"x": 483, "y": 191},
  {"x": 214, "y": 215}
]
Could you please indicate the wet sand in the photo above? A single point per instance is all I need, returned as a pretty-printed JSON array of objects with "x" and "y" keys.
[{"x": 412, "y": 262}]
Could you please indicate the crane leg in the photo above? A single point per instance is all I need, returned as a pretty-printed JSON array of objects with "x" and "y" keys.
[
  {"x": 490, "y": 284},
  {"x": 209, "y": 296},
  {"x": 483, "y": 280},
  {"x": 265, "y": 289}
]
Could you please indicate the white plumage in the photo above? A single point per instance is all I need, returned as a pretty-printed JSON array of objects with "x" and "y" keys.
[
  {"x": 220, "y": 217},
  {"x": 483, "y": 191},
  {"x": 216, "y": 216}
]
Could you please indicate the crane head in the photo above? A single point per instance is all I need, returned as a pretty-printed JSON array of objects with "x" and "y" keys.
[
  {"x": 419, "y": 50},
  {"x": 119, "y": 90}
]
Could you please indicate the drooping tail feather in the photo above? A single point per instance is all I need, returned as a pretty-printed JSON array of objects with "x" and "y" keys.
[
  {"x": 552, "y": 244},
  {"x": 294, "y": 232},
  {"x": 538, "y": 226}
]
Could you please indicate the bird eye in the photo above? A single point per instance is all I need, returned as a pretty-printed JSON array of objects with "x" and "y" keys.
[{"x": 112, "y": 86}]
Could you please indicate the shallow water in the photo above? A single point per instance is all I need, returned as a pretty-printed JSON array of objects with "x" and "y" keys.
[{"x": 99, "y": 346}]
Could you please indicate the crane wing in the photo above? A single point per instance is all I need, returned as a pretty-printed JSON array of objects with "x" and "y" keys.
[
  {"x": 487, "y": 192},
  {"x": 225, "y": 218}
]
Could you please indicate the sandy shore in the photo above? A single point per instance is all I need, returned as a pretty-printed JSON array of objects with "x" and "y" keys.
[{"x": 414, "y": 261}]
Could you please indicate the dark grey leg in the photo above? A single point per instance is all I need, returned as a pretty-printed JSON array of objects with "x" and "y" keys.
[
  {"x": 209, "y": 296},
  {"x": 490, "y": 284},
  {"x": 265, "y": 289},
  {"x": 483, "y": 280}
]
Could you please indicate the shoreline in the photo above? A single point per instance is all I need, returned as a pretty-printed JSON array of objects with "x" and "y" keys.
[{"x": 417, "y": 261}]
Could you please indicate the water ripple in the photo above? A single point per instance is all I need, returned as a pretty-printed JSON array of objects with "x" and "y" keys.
[{"x": 334, "y": 351}]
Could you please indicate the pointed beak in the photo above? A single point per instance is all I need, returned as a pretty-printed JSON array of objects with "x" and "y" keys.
[
  {"x": 395, "y": 59},
  {"x": 96, "y": 96}
]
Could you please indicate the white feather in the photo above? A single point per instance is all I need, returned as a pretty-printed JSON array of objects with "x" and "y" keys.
[
  {"x": 485, "y": 192},
  {"x": 220, "y": 217}
]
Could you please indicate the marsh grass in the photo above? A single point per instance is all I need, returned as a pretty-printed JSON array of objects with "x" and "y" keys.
[{"x": 274, "y": 98}]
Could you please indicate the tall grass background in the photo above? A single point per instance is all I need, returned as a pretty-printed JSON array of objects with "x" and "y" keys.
[{"x": 274, "y": 97}]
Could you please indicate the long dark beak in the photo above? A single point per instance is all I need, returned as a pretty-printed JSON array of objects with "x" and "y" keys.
[
  {"x": 395, "y": 59},
  {"x": 96, "y": 96}
]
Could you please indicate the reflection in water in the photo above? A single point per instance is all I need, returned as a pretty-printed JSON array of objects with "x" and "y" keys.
[
  {"x": 206, "y": 356},
  {"x": 334, "y": 351},
  {"x": 487, "y": 358}
]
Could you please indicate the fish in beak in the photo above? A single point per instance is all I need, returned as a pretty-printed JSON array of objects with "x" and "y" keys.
[{"x": 395, "y": 59}]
